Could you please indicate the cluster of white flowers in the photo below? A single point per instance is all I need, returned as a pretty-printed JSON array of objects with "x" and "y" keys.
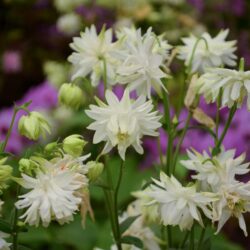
[
  {"x": 134, "y": 59},
  {"x": 217, "y": 174},
  {"x": 56, "y": 191},
  {"x": 123, "y": 123},
  {"x": 4, "y": 245}
]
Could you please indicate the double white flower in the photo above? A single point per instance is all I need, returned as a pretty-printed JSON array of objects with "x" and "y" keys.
[
  {"x": 217, "y": 174},
  {"x": 235, "y": 86},
  {"x": 4, "y": 245},
  {"x": 55, "y": 191},
  {"x": 178, "y": 205},
  {"x": 142, "y": 59},
  {"x": 93, "y": 55},
  {"x": 212, "y": 172},
  {"x": 205, "y": 52},
  {"x": 123, "y": 123}
]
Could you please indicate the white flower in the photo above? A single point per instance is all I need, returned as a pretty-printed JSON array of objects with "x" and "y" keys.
[
  {"x": 92, "y": 53},
  {"x": 123, "y": 123},
  {"x": 69, "y": 23},
  {"x": 208, "y": 51},
  {"x": 234, "y": 200},
  {"x": 142, "y": 59},
  {"x": 235, "y": 85},
  {"x": 217, "y": 170},
  {"x": 55, "y": 191},
  {"x": 180, "y": 205},
  {"x": 4, "y": 245}
]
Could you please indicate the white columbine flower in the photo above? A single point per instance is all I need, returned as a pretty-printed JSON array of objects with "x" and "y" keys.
[
  {"x": 235, "y": 86},
  {"x": 55, "y": 191},
  {"x": 234, "y": 201},
  {"x": 142, "y": 58},
  {"x": 212, "y": 172},
  {"x": 123, "y": 123},
  {"x": 180, "y": 205},
  {"x": 92, "y": 54},
  {"x": 207, "y": 52},
  {"x": 4, "y": 245}
]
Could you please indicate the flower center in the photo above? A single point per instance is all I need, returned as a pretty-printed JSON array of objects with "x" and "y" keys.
[{"x": 122, "y": 136}]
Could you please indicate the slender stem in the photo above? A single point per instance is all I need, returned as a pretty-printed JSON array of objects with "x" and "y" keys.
[
  {"x": 216, "y": 150},
  {"x": 218, "y": 115},
  {"x": 14, "y": 225},
  {"x": 118, "y": 240},
  {"x": 104, "y": 74},
  {"x": 177, "y": 150},
  {"x": 191, "y": 243},
  {"x": 169, "y": 153},
  {"x": 160, "y": 152},
  {"x": 184, "y": 240},
  {"x": 201, "y": 238},
  {"x": 10, "y": 128},
  {"x": 169, "y": 232}
]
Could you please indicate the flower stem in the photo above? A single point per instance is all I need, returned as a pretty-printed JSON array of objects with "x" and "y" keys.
[
  {"x": 15, "y": 226},
  {"x": 184, "y": 131},
  {"x": 216, "y": 149},
  {"x": 201, "y": 238},
  {"x": 16, "y": 109},
  {"x": 191, "y": 243},
  {"x": 184, "y": 240}
]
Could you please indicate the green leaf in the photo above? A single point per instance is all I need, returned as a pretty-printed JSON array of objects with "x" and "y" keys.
[
  {"x": 23, "y": 248},
  {"x": 126, "y": 223},
  {"x": 131, "y": 240},
  {"x": 206, "y": 245},
  {"x": 5, "y": 226}
]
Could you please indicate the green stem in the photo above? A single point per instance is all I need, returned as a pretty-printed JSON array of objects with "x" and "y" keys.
[
  {"x": 16, "y": 109},
  {"x": 201, "y": 238},
  {"x": 15, "y": 226},
  {"x": 118, "y": 240},
  {"x": 216, "y": 149},
  {"x": 218, "y": 116},
  {"x": 191, "y": 243},
  {"x": 184, "y": 131},
  {"x": 104, "y": 74},
  {"x": 169, "y": 233},
  {"x": 184, "y": 240}
]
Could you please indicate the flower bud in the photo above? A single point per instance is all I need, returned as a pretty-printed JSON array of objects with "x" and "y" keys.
[
  {"x": 74, "y": 145},
  {"x": 190, "y": 98},
  {"x": 33, "y": 125},
  {"x": 51, "y": 146},
  {"x": 27, "y": 166},
  {"x": 94, "y": 170},
  {"x": 200, "y": 116},
  {"x": 5, "y": 173},
  {"x": 70, "y": 95}
]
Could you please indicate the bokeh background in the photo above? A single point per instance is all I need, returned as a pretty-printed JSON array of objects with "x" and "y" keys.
[{"x": 34, "y": 46}]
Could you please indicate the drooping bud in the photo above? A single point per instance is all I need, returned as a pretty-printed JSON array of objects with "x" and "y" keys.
[
  {"x": 200, "y": 116},
  {"x": 74, "y": 145},
  {"x": 70, "y": 95},
  {"x": 190, "y": 97},
  {"x": 33, "y": 125},
  {"x": 94, "y": 170},
  {"x": 50, "y": 147}
]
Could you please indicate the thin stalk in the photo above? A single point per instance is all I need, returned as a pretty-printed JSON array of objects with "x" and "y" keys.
[
  {"x": 169, "y": 233},
  {"x": 184, "y": 131},
  {"x": 14, "y": 225},
  {"x": 191, "y": 243},
  {"x": 160, "y": 152},
  {"x": 184, "y": 239},
  {"x": 16, "y": 109},
  {"x": 218, "y": 116},
  {"x": 201, "y": 238},
  {"x": 118, "y": 240},
  {"x": 227, "y": 125}
]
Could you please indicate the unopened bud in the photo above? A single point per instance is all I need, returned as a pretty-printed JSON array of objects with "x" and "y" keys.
[
  {"x": 200, "y": 116},
  {"x": 190, "y": 97},
  {"x": 50, "y": 147},
  {"x": 33, "y": 125},
  {"x": 74, "y": 145},
  {"x": 27, "y": 166},
  {"x": 94, "y": 170},
  {"x": 70, "y": 95}
]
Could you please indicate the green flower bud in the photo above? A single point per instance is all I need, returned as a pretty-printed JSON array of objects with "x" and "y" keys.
[
  {"x": 27, "y": 166},
  {"x": 5, "y": 173},
  {"x": 70, "y": 95},
  {"x": 33, "y": 125},
  {"x": 94, "y": 170},
  {"x": 51, "y": 146},
  {"x": 74, "y": 145}
]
